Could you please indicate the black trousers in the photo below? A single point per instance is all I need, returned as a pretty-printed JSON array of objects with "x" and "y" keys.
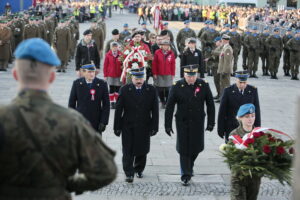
[
  {"x": 187, "y": 165},
  {"x": 133, "y": 164}
]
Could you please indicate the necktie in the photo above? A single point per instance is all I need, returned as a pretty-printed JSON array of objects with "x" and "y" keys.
[
  {"x": 242, "y": 91},
  {"x": 139, "y": 91}
]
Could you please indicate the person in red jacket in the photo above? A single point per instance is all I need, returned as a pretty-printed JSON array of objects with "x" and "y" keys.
[
  {"x": 112, "y": 71},
  {"x": 163, "y": 70}
]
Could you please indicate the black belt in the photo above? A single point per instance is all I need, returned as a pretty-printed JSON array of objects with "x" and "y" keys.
[{"x": 22, "y": 192}]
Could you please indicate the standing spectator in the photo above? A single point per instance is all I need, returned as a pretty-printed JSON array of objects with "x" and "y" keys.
[
  {"x": 136, "y": 118},
  {"x": 5, "y": 35},
  {"x": 163, "y": 70},
  {"x": 112, "y": 72},
  {"x": 141, "y": 14},
  {"x": 287, "y": 52},
  {"x": 89, "y": 96},
  {"x": 87, "y": 53}
]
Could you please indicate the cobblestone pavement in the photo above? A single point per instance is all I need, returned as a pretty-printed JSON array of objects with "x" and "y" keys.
[{"x": 278, "y": 100}]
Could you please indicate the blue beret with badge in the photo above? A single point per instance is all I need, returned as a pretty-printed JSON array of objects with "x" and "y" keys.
[
  {"x": 206, "y": 22},
  {"x": 125, "y": 25},
  {"x": 186, "y": 22},
  {"x": 246, "y": 109},
  {"x": 89, "y": 67},
  {"x": 242, "y": 75},
  {"x": 137, "y": 72},
  {"x": 276, "y": 29},
  {"x": 37, "y": 49},
  {"x": 217, "y": 39},
  {"x": 254, "y": 28}
]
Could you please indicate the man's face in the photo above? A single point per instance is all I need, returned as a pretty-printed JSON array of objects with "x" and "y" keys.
[
  {"x": 88, "y": 38},
  {"x": 158, "y": 39},
  {"x": 126, "y": 28},
  {"x": 115, "y": 37},
  {"x": 165, "y": 27},
  {"x": 89, "y": 75},
  {"x": 241, "y": 84},
  {"x": 138, "y": 82},
  {"x": 190, "y": 79},
  {"x": 144, "y": 26},
  {"x": 137, "y": 38},
  {"x": 187, "y": 25},
  {"x": 218, "y": 43},
  {"x": 192, "y": 45}
]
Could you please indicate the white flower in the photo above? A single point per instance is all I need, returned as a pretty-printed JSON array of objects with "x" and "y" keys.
[
  {"x": 135, "y": 66},
  {"x": 222, "y": 147},
  {"x": 126, "y": 52},
  {"x": 135, "y": 55}
]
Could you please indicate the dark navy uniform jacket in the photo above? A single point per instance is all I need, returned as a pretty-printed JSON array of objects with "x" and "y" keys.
[
  {"x": 231, "y": 101},
  {"x": 94, "y": 110}
]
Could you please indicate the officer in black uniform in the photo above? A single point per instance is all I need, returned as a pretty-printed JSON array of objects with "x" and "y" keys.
[
  {"x": 89, "y": 96},
  {"x": 233, "y": 97},
  {"x": 190, "y": 94},
  {"x": 136, "y": 118}
]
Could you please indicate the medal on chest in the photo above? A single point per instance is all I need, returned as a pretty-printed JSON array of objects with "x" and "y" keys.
[
  {"x": 197, "y": 90},
  {"x": 93, "y": 92}
]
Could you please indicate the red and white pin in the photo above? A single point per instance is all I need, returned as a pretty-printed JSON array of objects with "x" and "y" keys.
[{"x": 93, "y": 92}]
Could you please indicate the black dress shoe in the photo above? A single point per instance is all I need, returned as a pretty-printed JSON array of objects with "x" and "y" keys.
[
  {"x": 139, "y": 174},
  {"x": 59, "y": 70},
  {"x": 185, "y": 182},
  {"x": 218, "y": 101},
  {"x": 129, "y": 179},
  {"x": 64, "y": 71},
  {"x": 216, "y": 97},
  {"x": 113, "y": 105}
]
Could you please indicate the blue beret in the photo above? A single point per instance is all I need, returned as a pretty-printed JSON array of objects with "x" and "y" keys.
[
  {"x": 37, "y": 49},
  {"x": 89, "y": 67},
  {"x": 245, "y": 109},
  {"x": 186, "y": 21},
  {"x": 242, "y": 75},
  {"x": 166, "y": 24},
  {"x": 234, "y": 26},
  {"x": 227, "y": 25},
  {"x": 217, "y": 39},
  {"x": 254, "y": 27},
  {"x": 297, "y": 31},
  {"x": 210, "y": 22},
  {"x": 144, "y": 23},
  {"x": 125, "y": 25},
  {"x": 206, "y": 22},
  {"x": 266, "y": 28},
  {"x": 289, "y": 29},
  {"x": 276, "y": 29}
]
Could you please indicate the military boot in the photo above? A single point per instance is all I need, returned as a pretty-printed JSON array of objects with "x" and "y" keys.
[{"x": 287, "y": 73}]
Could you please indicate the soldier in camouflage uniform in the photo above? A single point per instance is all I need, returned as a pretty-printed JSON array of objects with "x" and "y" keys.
[
  {"x": 12, "y": 42},
  {"x": 226, "y": 29},
  {"x": 98, "y": 36},
  {"x": 294, "y": 46},
  {"x": 19, "y": 28},
  {"x": 253, "y": 45},
  {"x": 264, "y": 54},
  {"x": 30, "y": 30},
  {"x": 275, "y": 46},
  {"x": 236, "y": 44},
  {"x": 215, "y": 59},
  {"x": 208, "y": 45},
  {"x": 42, "y": 28},
  {"x": 202, "y": 30},
  {"x": 247, "y": 188},
  {"x": 286, "y": 52},
  {"x": 125, "y": 33},
  {"x": 245, "y": 50},
  {"x": 50, "y": 26},
  {"x": 49, "y": 151},
  {"x": 184, "y": 34},
  {"x": 102, "y": 24},
  {"x": 115, "y": 38},
  {"x": 5, "y": 35},
  {"x": 62, "y": 44}
]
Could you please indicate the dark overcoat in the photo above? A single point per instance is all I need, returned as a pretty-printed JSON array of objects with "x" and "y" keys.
[
  {"x": 190, "y": 115},
  {"x": 136, "y": 115},
  {"x": 231, "y": 101},
  {"x": 95, "y": 111}
]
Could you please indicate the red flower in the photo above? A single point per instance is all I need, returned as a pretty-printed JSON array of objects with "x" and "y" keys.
[
  {"x": 196, "y": 91},
  {"x": 249, "y": 141},
  {"x": 258, "y": 134},
  {"x": 291, "y": 150},
  {"x": 271, "y": 139},
  {"x": 266, "y": 149},
  {"x": 280, "y": 150}
]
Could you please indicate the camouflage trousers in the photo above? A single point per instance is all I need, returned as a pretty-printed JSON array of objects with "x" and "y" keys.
[
  {"x": 274, "y": 61},
  {"x": 246, "y": 189},
  {"x": 295, "y": 62},
  {"x": 265, "y": 61},
  {"x": 224, "y": 82},
  {"x": 286, "y": 60},
  {"x": 216, "y": 78},
  {"x": 236, "y": 53},
  {"x": 245, "y": 58},
  {"x": 253, "y": 61},
  {"x": 3, "y": 64}
]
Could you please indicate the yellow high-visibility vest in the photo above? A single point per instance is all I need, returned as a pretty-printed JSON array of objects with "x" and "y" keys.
[
  {"x": 100, "y": 7},
  {"x": 121, "y": 5},
  {"x": 76, "y": 12},
  {"x": 92, "y": 9},
  {"x": 212, "y": 15},
  {"x": 204, "y": 13}
]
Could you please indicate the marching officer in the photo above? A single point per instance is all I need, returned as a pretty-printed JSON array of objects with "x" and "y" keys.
[
  {"x": 89, "y": 96},
  {"x": 136, "y": 118},
  {"x": 190, "y": 94},
  {"x": 264, "y": 55},
  {"x": 275, "y": 46},
  {"x": 233, "y": 97},
  {"x": 286, "y": 52},
  {"x": 5, "y": 36},
  {"x": 245, "y": 49},
  {"x": 183, "y": 34},
  {"x": 31, "y": 30},
  {"x": 253, "y": 44},
  {"x": 215, "y": 59},
  {"x": 236, "y": 44},
  {"x": 294, "y": 45},
  {"x": 97, "y": 36}
]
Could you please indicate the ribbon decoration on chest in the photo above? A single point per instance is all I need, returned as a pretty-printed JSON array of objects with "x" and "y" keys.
[{"x": 93, "y": 92}]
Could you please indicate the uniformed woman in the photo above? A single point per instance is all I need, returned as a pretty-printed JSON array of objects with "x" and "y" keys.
[
  {"x": 248, "y": 188},
  {"x": 163, "y": 70}
]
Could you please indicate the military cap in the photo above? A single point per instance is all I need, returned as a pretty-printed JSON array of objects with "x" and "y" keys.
[
  {"x": 137, "y": 72},
  {"x": 37, "y": 49},
  {"x": 254, "y": 28},
  {"x": 266, "y": 28},
  {"x": 36, "y": 18},
  {"x": 227, "y": 25},
  {"x": 297, "y": 31},
  {"x": 217, "y": 39},
  {"x": 87, "y": 32},
  {"x": 144, "y": 23},
  {"x": 165, "y": 42},
  {"x": 206, "y": 22},
  {"x": 190, "y": 70},
  {"x": 242, "y": 75},
  {"x": 225, "y": 37},
  {"x": 192, "y": 40},
  {"x": 246, "y": 109},
  {"x": 186, "y": 22},
  {"x": 276, "y": 29},
  {"x": 3, "y": 21},
  {"x": 61, "y": 21},
  {"x": 234, "y": 26},
  {"x": 31, "y": 19},
  {"x": 166, "y": 24},
  {"x": 125, "y": 25},
  {"x": 211, "y": 22},
  {"x": 289, "y": 29},
  {"x": 115, "y": 32},
  {"x": 89, "y": 67}
]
